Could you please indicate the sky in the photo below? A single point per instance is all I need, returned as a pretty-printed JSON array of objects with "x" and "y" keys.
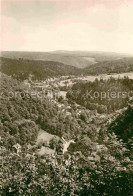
[{"x": 48, "y": 25}]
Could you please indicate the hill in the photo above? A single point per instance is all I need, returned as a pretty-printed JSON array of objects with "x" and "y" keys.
[
  {"x": 21, "y": 69},
  {"x": 80, "y": 59},
  {"x": 105, "y": 96},
  {"x": 70, "y": 59},
  {"x": 113, "y": 66},
  {"x": 123, "y": 125}
]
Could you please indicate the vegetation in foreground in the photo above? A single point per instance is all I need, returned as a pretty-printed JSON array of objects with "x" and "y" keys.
[{"x": 100, "y": 162}]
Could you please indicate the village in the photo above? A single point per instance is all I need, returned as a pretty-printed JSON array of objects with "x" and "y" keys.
[{"x": 55, "y": 89}]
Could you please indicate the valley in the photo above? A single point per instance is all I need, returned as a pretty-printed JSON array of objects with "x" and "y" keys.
[
  {"x": 52, "y": 90},
  {"x": 79, "y": 59},
  {"x": 66, "y": 98},
  {"x": 52, "y": 129}
]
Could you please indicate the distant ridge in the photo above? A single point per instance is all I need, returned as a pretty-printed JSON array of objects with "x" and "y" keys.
[{"x": 79, "y": 59}]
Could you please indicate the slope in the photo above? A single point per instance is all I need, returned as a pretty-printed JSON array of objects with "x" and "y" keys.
[{"x": 21, "y": 69}]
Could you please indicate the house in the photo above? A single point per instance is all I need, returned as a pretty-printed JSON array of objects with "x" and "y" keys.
[{"x": 17, "y": 148}]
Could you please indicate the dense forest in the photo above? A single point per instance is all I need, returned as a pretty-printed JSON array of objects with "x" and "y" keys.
[
  {"x": 121, "y": 65},
  {"x": 40, "y": 70},
  {"x": 123, "y": 126},
  {"x": 98, "y": 163},
  {"x": 105, "y": 96}
]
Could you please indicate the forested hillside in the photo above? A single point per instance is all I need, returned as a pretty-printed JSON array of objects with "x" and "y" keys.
[
  {"x": 96, "y": 163},
  {"x": 114, "y": 66},
  {"x": 40, "y": 70},
  {"x": 123, "y": 126},
  {"x": 68, "y": 59},
  {"x": 79, "y": 59},
  {"x": 21, "y": 69},
  {"x": 105, "y": 96}
]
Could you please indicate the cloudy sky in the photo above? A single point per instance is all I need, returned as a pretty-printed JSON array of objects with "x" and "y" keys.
[{"x": 47, "y": 25}]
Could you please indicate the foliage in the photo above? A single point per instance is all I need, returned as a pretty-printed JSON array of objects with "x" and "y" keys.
[
  {"x": 97, "y": 164},
  {"x": 40, "y": 70},
  {"x": 105, "y": 96}
]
